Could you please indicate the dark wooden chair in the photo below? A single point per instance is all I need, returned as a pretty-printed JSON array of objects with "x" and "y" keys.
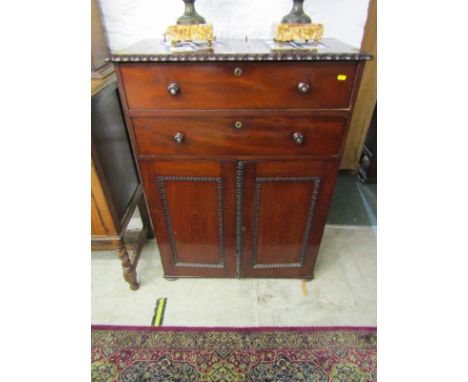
[{"x": 115, "y": 187}]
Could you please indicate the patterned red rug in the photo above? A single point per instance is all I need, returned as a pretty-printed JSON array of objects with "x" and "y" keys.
[{"x": 151, "y": 354}]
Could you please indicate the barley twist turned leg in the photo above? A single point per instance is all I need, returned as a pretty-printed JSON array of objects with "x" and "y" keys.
[{"x": 129, "y": 271}]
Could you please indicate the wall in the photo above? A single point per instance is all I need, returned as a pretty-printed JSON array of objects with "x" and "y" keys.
[{"x": 129, "y": 21}]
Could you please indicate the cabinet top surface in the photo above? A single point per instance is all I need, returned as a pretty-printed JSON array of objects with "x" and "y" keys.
[{"x": 328, "y": 49}]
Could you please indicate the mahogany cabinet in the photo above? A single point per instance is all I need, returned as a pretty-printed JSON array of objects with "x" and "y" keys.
[{"x": 238, "y": 151}]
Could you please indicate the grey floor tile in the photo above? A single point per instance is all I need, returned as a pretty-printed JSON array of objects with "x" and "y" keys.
[
  {"x": 190, "y": 302},
  {"x": 342, "y": 293}
]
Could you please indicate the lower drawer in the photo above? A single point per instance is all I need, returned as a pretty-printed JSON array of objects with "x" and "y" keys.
[{"x": 238, "y": 136}]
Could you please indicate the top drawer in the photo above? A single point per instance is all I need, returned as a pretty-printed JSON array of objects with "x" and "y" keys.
[{"x": 239, "y": 85}]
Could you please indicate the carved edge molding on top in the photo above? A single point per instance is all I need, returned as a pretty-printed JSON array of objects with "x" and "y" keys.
[
  {"x": 241, "y": 57},
  {"x": 168, "y": 222},
  {"x": 308, "y": 228}
]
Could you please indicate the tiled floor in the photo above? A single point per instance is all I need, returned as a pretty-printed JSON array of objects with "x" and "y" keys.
[{"x": 342, "y": 293}]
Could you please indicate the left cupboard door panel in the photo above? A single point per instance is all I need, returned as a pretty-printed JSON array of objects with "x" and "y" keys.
[{"x": 192, "y": 205}]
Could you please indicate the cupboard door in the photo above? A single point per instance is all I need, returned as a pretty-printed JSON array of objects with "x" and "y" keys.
[
  {"x": 282, "y": 209},
  {"x": 192, "y": 205}
]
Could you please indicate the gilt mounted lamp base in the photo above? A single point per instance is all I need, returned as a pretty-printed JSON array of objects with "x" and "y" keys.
[
  {"x": 195, "y": 32},
  {"x": 190, "y": 27},
  {"x": 298, "y": 32},
  {"x": 296, "y": 26}
]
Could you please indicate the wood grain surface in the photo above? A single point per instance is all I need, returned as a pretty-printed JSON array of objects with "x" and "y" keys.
[
  {"x": 219, "y": 135},
  {"x": 238, "y": 196},
  {"x": 260, "y": 86}
]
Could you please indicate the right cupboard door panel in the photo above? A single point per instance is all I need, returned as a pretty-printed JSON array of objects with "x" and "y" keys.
[{"x": 282, "y": 210}]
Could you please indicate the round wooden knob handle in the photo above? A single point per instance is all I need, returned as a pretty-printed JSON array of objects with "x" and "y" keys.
[
  {"x": 173, "y": 89},
  {"x": 303, "y": 87},
  {"x": 298, "y": 138},
  {"x": 179, "y": 138}
]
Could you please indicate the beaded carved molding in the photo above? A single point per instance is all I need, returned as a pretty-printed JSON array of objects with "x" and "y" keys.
[
  {"x": 242, "y": 57},
  {"x": 239, "y": 208}
]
